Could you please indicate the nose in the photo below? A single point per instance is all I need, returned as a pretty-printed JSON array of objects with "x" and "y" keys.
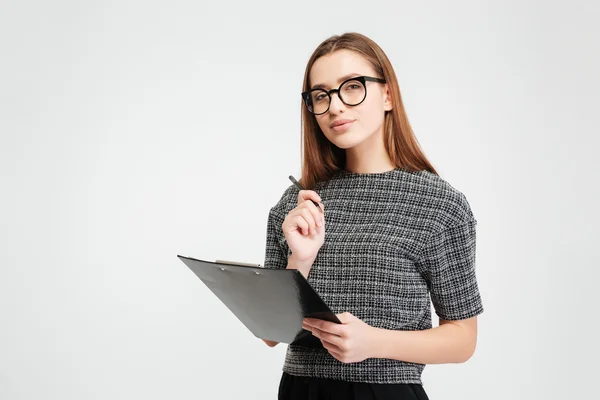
[{"x": 336, "y": 104}]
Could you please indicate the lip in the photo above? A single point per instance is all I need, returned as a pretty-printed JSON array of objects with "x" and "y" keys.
[{"x": 341, "y": 122}]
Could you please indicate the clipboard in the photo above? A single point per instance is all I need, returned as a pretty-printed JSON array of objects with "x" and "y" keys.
[{"x": 270, "y": 302}]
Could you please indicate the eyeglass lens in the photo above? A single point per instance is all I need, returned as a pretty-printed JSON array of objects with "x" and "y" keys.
[{"x": 351, "y": 93}]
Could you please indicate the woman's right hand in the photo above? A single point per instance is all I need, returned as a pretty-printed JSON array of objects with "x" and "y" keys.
[{"x": 304, "y": 228}]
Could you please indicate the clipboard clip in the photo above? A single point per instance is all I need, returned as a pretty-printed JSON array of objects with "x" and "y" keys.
[{"x": 224, "y": 262}]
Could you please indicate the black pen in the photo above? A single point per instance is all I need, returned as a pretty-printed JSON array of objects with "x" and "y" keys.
[{"x": 295, "y": 182}]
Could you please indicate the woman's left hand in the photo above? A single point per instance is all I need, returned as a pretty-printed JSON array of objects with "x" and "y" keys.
[{"x": 351, "y": 341}]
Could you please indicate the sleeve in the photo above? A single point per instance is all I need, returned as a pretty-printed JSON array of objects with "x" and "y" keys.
[
  {"x": 276, "y": 249},
  {"x": 447, "y": 262}
]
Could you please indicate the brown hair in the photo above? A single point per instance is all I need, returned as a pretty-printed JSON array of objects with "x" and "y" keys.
[{"x": 321, "y": 157}]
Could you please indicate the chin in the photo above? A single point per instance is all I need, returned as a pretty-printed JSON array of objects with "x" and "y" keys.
[{"x": 345, "y": 141}]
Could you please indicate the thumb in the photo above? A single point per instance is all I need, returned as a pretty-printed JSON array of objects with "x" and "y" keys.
[
  {"x": 346, "y": 317},
  {"x": 304, "y": 195}
]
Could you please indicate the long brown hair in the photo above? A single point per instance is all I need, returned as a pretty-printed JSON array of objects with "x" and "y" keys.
[{"x": 321, "y": 158}]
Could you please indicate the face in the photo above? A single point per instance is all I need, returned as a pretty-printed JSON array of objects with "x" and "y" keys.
[{"x": 363, "y": 122}]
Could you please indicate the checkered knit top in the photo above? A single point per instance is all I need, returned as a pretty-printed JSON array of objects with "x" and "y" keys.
[{"x": 396, "y": 242}]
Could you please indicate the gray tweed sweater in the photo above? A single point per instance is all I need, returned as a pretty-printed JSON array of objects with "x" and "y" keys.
[{"x": 396, "y": 242}]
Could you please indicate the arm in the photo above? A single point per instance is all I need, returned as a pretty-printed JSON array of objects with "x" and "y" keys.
[
  {"x": 354, "y": 340},
  {"x": 450, "y": 342},
  {"x": 448, "y": 265}
]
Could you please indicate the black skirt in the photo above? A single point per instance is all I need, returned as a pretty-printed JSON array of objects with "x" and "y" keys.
[{"x": 294, "y": 387}]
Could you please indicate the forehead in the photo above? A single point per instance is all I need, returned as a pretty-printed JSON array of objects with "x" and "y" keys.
[{"x": 328, "y": 70}]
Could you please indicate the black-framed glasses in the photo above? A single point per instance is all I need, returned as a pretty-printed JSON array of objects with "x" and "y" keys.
[{"x": 351, "y": 92}]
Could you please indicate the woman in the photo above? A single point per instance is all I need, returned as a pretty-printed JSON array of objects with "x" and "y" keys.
[{"x": 390, "y": 237}]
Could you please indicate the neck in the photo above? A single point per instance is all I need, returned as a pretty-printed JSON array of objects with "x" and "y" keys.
[{"x": 369, "y": 156}]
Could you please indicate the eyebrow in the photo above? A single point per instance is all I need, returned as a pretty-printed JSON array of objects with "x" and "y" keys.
[{"x": 340, "y": 80}]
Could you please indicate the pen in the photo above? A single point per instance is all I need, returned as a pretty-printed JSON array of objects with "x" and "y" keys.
[{"x": 295, "y": 182}]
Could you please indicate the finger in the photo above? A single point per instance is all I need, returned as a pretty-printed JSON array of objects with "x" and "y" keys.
[
  {"x": 334, "y": 340},
  {"x": 297, "y": 221},
  {"x": 329, "y": 327},
  {"x": 312, "y": 224},
  {"x": 317, "y": 214},
  {"x": 346, "y": 317},
  {"x": 331, "y": 347},
  {"x": 304, "y": 195},
  {"x": 336, "y": 355},
  {"x": 301, "y": 224}
]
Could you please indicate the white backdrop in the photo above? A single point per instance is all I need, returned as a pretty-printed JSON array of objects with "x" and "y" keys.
[{"x": 133, "y": 131}]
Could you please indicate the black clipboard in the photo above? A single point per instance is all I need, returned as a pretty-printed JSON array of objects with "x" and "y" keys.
[{"x": 270, "y": 302}]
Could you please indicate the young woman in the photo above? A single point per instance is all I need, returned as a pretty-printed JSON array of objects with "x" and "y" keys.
[{"x": 391, "y": 238}]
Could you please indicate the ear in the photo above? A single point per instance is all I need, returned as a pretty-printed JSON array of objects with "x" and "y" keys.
[{"x": 387, "y": 98}]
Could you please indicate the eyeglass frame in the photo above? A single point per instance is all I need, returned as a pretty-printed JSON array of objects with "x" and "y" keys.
[{"x": 362, "y": 79}]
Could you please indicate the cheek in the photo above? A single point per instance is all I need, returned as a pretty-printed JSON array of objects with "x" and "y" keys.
[
  {"x": 323, "y": 123},
  {"x": 371, "y": 116}
]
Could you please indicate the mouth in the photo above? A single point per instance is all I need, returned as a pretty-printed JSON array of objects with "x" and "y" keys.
[{"x": 342, "y": 125}]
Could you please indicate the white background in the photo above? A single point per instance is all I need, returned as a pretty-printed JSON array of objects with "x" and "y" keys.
[{"x": 133, "y": 131}]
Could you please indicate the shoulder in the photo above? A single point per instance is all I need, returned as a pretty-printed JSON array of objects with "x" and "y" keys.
[
  {"x": 438, "y": 200},
  {"x": 286, "y": 202}
]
